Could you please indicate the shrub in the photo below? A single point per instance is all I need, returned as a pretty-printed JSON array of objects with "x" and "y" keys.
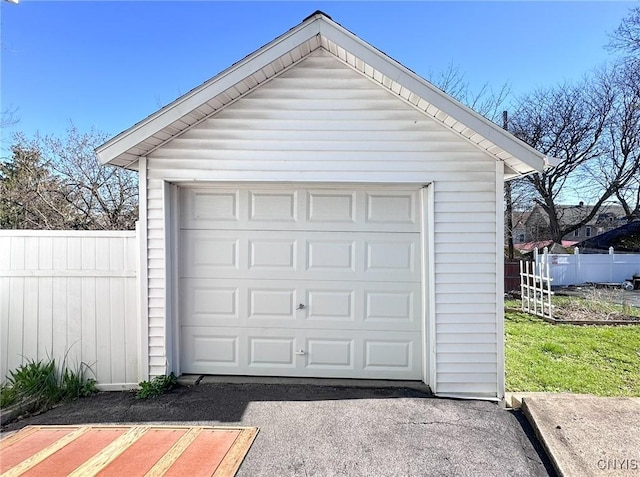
[
  {"x": 45, "y": 384},
  {"x": 156, "y": 387}
]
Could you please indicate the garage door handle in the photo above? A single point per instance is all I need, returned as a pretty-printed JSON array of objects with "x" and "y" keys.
[
  {"x": 300, "y": 352},
  {"x": 300, "y": 307}
]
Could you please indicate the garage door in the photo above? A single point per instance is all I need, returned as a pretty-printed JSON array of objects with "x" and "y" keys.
[{"x": 317, "y": 282}]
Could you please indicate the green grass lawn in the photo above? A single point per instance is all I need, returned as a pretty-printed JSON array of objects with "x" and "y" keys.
[{"x": 600, "y": 360}]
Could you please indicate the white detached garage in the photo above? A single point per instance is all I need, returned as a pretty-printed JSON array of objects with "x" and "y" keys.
[{"x": 319, "y": 210}]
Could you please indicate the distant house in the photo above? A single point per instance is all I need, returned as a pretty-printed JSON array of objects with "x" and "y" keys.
[
  {"x": 609, "y": 217},
  {"x": 519, "y": 226},
  {"x": 625, "y": 239}
]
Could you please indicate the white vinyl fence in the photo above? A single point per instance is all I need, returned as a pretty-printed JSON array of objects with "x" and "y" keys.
[
  {"x": 73, "y": 294},
  {"x": 580, "y": 268}
]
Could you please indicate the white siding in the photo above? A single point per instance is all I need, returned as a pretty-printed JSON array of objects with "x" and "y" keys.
[
  {"x": 156, "y": 277},
  {"x": 323, "y": 121},
  {"x": 70, "y": 294}
]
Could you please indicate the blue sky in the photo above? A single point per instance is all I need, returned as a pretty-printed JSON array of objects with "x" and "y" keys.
[{"x": 110, "y": 64}]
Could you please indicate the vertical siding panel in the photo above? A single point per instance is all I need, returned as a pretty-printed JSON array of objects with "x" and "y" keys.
[
  {"x": 17, "y": 253},
  {"x": 131, "y": 331},
  {"x": 5, "y": 294},
  {"x": 89, "y": 253},
  {"x": 16, "y": 322},
  {"x": 45, "y": 260},
  {"x": 103, "y": 331},
  {"x": 60, "y": 253},
  {"x": 89, "y": 344},
  {"x": 45, "y": 318},
  {"x": 116, "y": 254},
  {"x": 131, "y": 253},
  {"x": 59, "y": 318},
  {"x": 103, "y": 257},
  {"x": 31, "y": 253},
  {"x": 30, "y": 339},
  {"x": 74, "y": 253},
  {"x": 133, "y": 318},
  {"x": 74, "y": 322},
  {"x": 5, "y": 297},
  {"x": 118, "y": 340},
  {"x": 5, "y": 253}
]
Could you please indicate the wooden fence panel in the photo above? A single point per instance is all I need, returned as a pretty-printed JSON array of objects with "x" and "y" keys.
[
  {"x": 73, "y": 295},
  {"x": 511, "y": 275}
]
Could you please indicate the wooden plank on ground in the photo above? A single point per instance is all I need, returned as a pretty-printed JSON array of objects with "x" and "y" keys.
[
  {"x": 116, "y": 450},
  {"x": 170, "y": 457},
  {"x": 109, "y": 453},
  {"x": 231, "y": 462},
  {"x": 48, "y": 451}
]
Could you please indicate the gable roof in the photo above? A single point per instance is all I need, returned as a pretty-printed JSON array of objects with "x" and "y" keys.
[{"x": 318, "y": 31}]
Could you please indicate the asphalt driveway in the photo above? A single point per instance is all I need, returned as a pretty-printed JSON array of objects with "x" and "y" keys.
[{"x": 312, "y": 430}]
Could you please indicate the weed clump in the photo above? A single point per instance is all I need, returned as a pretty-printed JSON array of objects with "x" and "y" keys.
[{"x": 157, "y": 386}]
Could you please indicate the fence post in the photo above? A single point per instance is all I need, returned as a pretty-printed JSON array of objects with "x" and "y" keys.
[
  {"x": 521, "y": 284},
  {"x": 611, "y": 260},
  {"x": 576, "y": 252},
  {"x": 548, "y": 282}
]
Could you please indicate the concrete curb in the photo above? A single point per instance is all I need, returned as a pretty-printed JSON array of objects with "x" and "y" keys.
[
  {"x": 513, "y": 400},
  {"x": 586, "y": 435},
  {"x": 533, "y": 418}
]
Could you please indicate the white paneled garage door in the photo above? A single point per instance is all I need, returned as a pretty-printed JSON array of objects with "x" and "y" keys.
[{"x": 321, "y": 282}]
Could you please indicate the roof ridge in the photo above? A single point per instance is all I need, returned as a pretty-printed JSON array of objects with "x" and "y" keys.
[{"x": 317, "y": 12}]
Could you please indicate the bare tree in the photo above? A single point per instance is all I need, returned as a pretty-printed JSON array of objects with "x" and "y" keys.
[
  {"x": 8, "y": 117},
  {"x": 486, "y": 101},
  {"x": 626, "y": 154},
  {"x": 29, "y": 193},
  {"x": 625, "y": 138},
  {"x": 619, "y": 166},
  {"x": 568, "y": 122},
  {"x": 64, "y": 173},
  {"x": 104, "y": 197},
  {"x": 626, "y": 37}
]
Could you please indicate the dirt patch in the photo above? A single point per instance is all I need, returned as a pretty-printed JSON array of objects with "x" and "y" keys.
[
  {"x": 564, "y": 314},
  {"x": 594, "y": 304}
]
